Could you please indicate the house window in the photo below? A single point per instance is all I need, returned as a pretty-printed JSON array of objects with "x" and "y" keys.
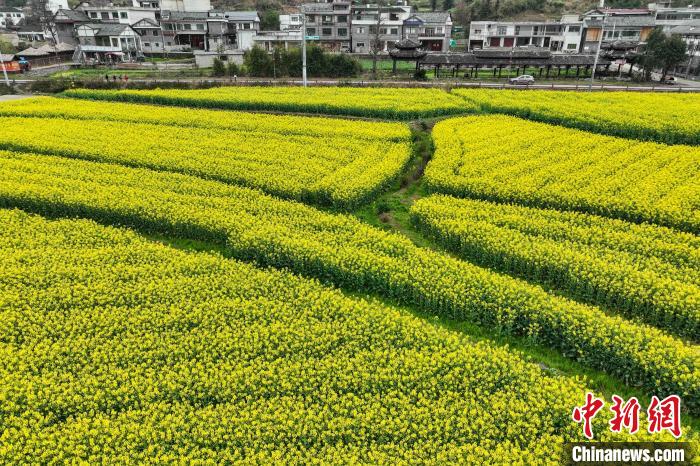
[
  {"x": 115, "y": 42},
  {"x": 170, "y": 43},
  {"x": 93, "y": 14},
  {"x": 571, "y": 46},
  {"x": 327, "y": 19},
  {"x": 393, "y": 17},
  {"x": 157, "y": 44},
  {"x": 146, "y": 44},
  {"x": 155, "y": 32},
  {"x": 104, "y": 15},
  {"x": 360, "y": 30},
  {"x": 383, "y": 30},
  {"x": 517, "y": 30},
  {"x": 477, "y": 31},
  {"x": 327, "y": 31},
  {"x": 188, "y": 27},
  {"x": 501, "y": 30},
  {"x": 394, "y": 31},
  {"x": 360, "y": 44},
  {"x": 310, "y": 31},
  {"x": 574, "y": 28},
  {"x": 438, "y": 30},
  {"x": 115, "y": 15},
  {"x": 123, "y": 15},
  {"x": 246, "y": 25},
  {"x": 200, "y": 27},
  {"x": 343, "y": 19},
  {"x": 342, "y": 32},
  {"x": 410, "y": 30}
]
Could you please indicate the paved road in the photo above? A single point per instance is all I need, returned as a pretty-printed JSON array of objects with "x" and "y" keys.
[
  {"x": 692, "y": 86},
  {"x": 13, "y": 97}
]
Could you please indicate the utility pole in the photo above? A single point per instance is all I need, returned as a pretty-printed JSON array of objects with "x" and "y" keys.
[
  {"x": 597, "y": 53},
  {"x": 4, "y": 72},
  {"x": 691, "y": 53},
  {"x": 303, "y": 45}
]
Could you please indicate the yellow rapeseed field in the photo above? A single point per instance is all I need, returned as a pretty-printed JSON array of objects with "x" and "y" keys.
[
  {"x": 389, "y": 103},
  {"x": 646, "y": 272},
  {"x": 671, "y": 118},
  {"x": 342, "y": 250},
  {"x": 119, "y": 350},
  {"x": 506, "y": 159},
  {"x": 319, "y": 167}
]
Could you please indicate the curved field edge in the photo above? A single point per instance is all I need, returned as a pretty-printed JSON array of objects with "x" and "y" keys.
[
  {"x": 329, "y": 172},
  {"x": 187, "y": 366},
  {"x": 361, "y": 106},
  {"x": 614, "y": 121},
  {"x": 514, "y": 240},
  {"x": 452, "y": 172},
  {"x": 341, "y": 250}
]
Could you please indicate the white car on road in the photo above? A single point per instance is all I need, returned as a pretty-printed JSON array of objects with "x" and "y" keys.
[{"x": 522, "y": 79}]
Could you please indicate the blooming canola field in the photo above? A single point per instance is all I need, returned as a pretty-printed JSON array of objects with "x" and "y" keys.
[
  {"x": 671, "y": 118},
  {"x": 123, "y": 350},
  {"x": 322, "y": 167},
  {"x": 185, "y": 281},
  {"x": 388, "y": 103},
  {"x": 506, "y": 159}
]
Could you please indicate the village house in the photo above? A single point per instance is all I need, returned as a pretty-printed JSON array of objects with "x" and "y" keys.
[
  {"x": 366, "y": 25},
  {"x": 328, "y": 24},
  {"x": 105, "y": 42},
  {"x": 432, "y": 30}
]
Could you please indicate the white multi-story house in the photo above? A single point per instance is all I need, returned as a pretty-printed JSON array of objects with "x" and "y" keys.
[
  {"x": 432, "y": 30},
  {"x": 107, "y": 41},
  {"x": 232, "y": 29},
  {"x": 369, "y": 25},
  {"x": 10, "y": 17},
  {"x": 557, "y": 36},
  {"x": 151, "y": 35},
  {"x": 290, "y": 22},
  {"x": 628, "y": 27},
  {"x": 328, "y": 24},
  {"x": 668, "y": 17},
  {"x": 185, "y": 5},
  {"x": 105, "y": 11}
]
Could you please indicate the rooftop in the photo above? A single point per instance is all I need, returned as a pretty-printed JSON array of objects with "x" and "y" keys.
[
  {"x": 108, "y": 29},
  {"x": 71, "y": 15},
  {"x": 471, "y": 59},
  {"x": 431, "y": 17},
  {"x": 692, "y": 27}
]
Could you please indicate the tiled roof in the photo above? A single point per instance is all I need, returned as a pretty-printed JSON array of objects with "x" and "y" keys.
[
  {"x": 168, "y": 15},
  {"x": 433, "y": 16},
  {"x": 73, "y": 15}
]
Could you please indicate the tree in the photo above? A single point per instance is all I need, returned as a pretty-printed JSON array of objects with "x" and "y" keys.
[
  {"x": 433, "y": 5},
  {"x": 218, "y": 68},
  {"x": 462, "y": 14},
  {"x": 376, "y": 43},
  {"x": 270, "y": 20},
  {"x": 257, "y": 62},
  {"x": 47, "y": 19},
  {"x": 447, "y": 4},
  {"x": 6, "y": 47},
  {"x": 649, "y": 58},
  {"x": 232, "y": 69},
  {"x": 661, "y": 52},
  {"x": 674, "y": 54}
]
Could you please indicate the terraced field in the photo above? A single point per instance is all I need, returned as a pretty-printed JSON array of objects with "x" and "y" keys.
[{"x": 205, "y": 285}]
